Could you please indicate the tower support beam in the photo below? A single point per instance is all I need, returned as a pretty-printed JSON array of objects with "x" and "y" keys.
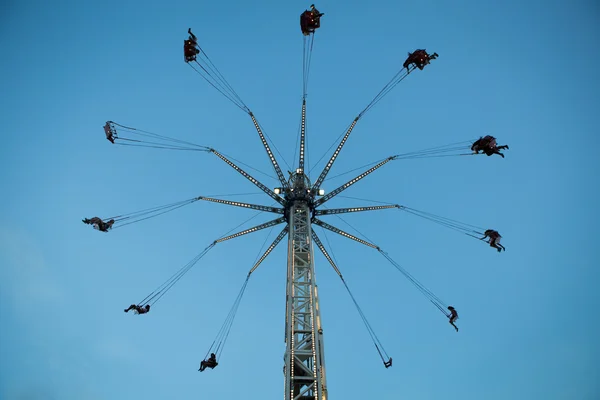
[{"x": 304, "y": 355}]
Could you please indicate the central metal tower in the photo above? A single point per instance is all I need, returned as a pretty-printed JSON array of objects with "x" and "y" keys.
[{"x": 304, "y": 354}]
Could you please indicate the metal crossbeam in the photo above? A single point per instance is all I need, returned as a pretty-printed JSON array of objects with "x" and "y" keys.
[
  {"x": 351, "y": 182},
  {"x": 334, "y": 156},
  {"x": 252, "y": 230},
  {"x": 275, "y": 210},
  {"x": 270, "y": 249},
  {"x": 302, "y": 136},
  {"x": 249, "y": 177},
  {"x": 354, "y": 209},
  {"x": 282, "y": 179},
  {"x": 343, "y": 233}
]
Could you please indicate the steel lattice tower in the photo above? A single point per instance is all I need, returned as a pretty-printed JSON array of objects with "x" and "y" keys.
[{"x": 304, "y": 355}]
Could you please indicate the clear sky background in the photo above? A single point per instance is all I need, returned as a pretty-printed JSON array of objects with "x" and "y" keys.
[{"x": 525, "y": 72}]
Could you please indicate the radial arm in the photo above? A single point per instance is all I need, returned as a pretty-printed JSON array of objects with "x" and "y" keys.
[
  {"x": 276, "y": 210},
  {"x": 252, "y": 230},
  {"x": 302, "y": 136},
  {"x": 327, "y": 168},
  {"x": 325, "y": 253},
  {"x": 351, "y": 182},
  {"x": 282, "y": 179},
  {"x": 342, "y": 233},
  {"x": 249, "y": 177},
  {"x": 271, "y": 248},
  {"x": 354, "y": 209}
]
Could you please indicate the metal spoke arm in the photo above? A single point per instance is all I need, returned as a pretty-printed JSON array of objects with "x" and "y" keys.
[
  {"x": 276, "y": 167},
  {"x": 276, "y": 210},
  {"x": 334, "y": 156},
  {"x": 332, "y": 228},
  {"x": 249, "y": 177},
  {"x": 351, "y": 182},
  {"x": 325, "y": 253},
  {"x": 302, "y": 136},
  {"x": 430, "y": 295},
  {"x": 378, "y": 345},
  {"x": 270, "y": 249},
  {"x": 355, "y": 209},
  {"x": 252, "y": 230}
]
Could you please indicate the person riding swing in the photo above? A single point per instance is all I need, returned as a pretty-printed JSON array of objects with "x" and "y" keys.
[
  {"x": 211, "y": 362},
  {"x": 420, "y": 58},
  {"x": 488, "y": 146},
  {"x": 453, "y": 317},
  {"x": 494, "y": 239},
  {"x": 110, "y": 133},
  {"x": 310, "y": 20},
  {"x": 190, "y": 47},
  {"x": 138, "y": 309},
  {"x": 98, "y": 224}
]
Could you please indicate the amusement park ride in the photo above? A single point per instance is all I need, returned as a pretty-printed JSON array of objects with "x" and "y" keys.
[{"x": 298, "y": 208}]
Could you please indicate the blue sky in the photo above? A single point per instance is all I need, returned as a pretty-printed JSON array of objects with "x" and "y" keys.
[{"x": 525, "y": 72}]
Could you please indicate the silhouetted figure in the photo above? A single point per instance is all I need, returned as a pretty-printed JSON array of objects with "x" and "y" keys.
[
  {"x": 488, "y": 146},
  {"x": 138, "y": 309},
  {"x": 310, "y": 20},
  {"x": 210, "y": 363},
  {"x": 453, "y": 317},
  {"x": 98, "y": 224},
  {"x": 190, "y": 49},
  {"x": 494, "y": 239},
  {"x": 419, "y": 58},
  {"x": 110, "y": 134}
]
